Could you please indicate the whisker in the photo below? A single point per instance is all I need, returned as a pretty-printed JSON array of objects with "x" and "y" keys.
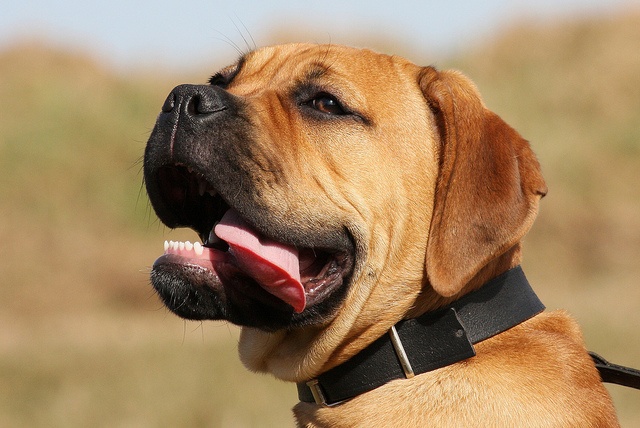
[
  {"x": 227, "y": 40},
  {"x": 253, "y": 42}
]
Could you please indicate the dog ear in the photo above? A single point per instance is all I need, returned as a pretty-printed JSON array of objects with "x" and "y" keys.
[{"x": 488, "y": 187}]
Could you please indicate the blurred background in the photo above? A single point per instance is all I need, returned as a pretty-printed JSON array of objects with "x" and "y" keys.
[{"x": 84, "y": 341}]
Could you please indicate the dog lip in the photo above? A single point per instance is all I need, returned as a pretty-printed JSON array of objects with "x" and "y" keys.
[
  {"x": 320, "y": 272},
  {"x": 198, "y": 289}
]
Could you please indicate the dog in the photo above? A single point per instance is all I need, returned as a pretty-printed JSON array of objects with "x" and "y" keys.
[{"x": 347, "y": 202}]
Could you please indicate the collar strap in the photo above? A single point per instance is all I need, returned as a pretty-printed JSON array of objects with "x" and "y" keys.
[{"x": 429, "y": 342}]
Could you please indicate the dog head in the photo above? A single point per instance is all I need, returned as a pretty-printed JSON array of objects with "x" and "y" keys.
[{"x": 335, "y": 191}]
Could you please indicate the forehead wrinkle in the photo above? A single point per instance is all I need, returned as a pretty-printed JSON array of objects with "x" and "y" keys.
[
  {"x": 257, "y": 64},
  {"x": 317, "y": 72},
  {"x": 269, "y": 62}
]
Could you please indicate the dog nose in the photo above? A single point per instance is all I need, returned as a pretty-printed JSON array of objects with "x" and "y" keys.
[{"x": 196, "y": 100}]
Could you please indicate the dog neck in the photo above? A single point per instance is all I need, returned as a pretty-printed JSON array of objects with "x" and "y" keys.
[
  {"x": 429, "y": 300},
  {"x": 431, "y": 341}
]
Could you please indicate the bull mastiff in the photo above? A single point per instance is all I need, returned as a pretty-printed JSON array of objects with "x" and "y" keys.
[{"x": 361, "y": 217}]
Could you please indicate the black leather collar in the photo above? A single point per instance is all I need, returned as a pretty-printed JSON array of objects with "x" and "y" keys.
[{"x": 434, "y": 340}]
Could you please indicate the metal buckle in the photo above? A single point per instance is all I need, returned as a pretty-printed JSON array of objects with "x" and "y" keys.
[
  {"x": 400, "y": 352},
  {"x": 317, "y": 393}
]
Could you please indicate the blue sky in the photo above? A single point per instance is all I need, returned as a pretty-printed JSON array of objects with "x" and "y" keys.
[{"x": 170, "y": 33}]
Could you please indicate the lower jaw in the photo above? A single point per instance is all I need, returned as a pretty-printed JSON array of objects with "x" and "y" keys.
[{"x": 193, "y": 291}]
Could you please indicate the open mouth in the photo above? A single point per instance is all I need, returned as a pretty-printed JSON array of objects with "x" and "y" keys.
[{"x": 232, "y": 253}]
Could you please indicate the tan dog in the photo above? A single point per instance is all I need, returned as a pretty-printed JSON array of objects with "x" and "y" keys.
[{"x": 392, "y": 191}]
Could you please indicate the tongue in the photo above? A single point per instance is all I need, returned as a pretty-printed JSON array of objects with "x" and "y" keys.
[{"x": 273, "y": 265}]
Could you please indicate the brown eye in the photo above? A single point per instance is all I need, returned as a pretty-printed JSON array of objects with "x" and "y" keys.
[
  {"x": 218, "y": 79},
  {"x": 327, "y": 104}
]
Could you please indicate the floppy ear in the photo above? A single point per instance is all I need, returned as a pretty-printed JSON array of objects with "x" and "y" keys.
[{"x": 488, "y": 187}]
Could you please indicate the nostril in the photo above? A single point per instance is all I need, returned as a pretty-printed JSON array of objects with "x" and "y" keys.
[
  {"x": 195, "y": 106},
  {"x": 202, "y": 104},
  {"x": 169, "y": 103}
]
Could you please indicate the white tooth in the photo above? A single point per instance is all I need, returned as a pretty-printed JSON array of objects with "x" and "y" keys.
[
  {"x": 202, "y": 187},
  {"x": 188, "y": 246},
  {"x": 166, "y": 246},
  {"x": 181, "y": 245},
  {"x": 174, "y": 245},
  {"x": 197, "y": 247}
]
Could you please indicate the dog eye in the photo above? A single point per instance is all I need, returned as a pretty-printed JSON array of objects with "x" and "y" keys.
[
  {"x": 224, "y": 77},
  {"x": 326, "y": 103},
  {"x": 218, "y": 79}
]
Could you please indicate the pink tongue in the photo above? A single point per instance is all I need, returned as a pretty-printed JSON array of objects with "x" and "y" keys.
[{"x": 273, "y": 265}]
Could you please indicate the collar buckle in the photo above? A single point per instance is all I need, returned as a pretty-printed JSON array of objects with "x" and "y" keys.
[
  {"x": 401, "y": 353},
  {"x": 318, "y": 395},
  {"x": 316, "y": 391}
]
